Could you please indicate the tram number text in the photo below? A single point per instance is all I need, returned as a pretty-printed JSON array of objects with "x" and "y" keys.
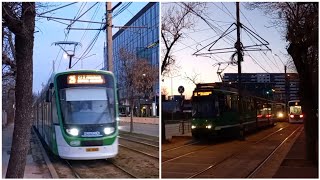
[{"x": 92, "y": 149}]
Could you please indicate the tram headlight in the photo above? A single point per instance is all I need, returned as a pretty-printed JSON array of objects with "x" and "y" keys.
[
  {"x": 193, "y": 127},
  {"x": 108, "y": 130},
  {"x": 280, "y": 115},
  {"x": 73, "y": 131}
]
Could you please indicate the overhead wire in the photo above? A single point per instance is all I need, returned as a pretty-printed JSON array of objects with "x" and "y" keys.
[
  {"x": 121, "y": 9},
  {"x": 231, "y": 15},
  {"x": 89, "y": 47},
  {"x": 58, "y": 8},
  {"x": 213, "y": 27},
  {"x": 273, "y": 62},
  {"x": 257, "y": 63},
  {"x": 89, "y": 24},
  {"x": 82, "y": 14}
]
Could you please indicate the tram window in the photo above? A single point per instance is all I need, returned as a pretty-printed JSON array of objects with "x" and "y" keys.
[
  {"x": 228, "y": 102},
  {"x": 54, "y": 110},
  {"x": 234, "y": 102},
  {"x": 80, "y": 107}
]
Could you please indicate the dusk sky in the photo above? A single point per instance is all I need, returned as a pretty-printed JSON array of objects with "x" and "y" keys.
[
  {"x": 45, "y": 52},
  {"x": 222, "y": 15}
]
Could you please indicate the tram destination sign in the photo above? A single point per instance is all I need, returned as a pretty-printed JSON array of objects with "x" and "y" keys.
[
  {"x": 203, "y": 93},
  {"x": 85, "y": 79}
]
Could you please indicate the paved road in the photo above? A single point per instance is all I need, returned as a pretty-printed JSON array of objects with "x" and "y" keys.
[{"x": 141, "y": 128}]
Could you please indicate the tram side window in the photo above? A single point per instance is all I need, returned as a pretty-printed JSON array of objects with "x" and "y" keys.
[
  {"x": 54, "y": 110},
  {"x": 249, "y": 106},
  {"x": 224, "y": 103},
  {"x": 234, "y": 103}
]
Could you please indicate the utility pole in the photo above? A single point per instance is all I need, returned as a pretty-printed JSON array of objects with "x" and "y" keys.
[
  {"x": 240, "y": 58},
  {"x": 286, "y": 88},
  {"x": 108, "y": 61}
]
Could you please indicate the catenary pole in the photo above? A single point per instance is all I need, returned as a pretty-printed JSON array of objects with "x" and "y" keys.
[
  {"x": 240, "y": 58},
  {"x": 108, "y": 61}
]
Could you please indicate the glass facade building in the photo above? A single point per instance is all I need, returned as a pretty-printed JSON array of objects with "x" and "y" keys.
[
  {"x": 141, "y": 40},
  {"x": 260, "y": 83}
]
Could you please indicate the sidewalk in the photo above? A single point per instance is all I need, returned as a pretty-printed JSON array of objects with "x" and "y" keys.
[
  {"x": 145, "y": 120},
  {"x": 35, "y": 166},
  {"x": 294, "y": 165}
]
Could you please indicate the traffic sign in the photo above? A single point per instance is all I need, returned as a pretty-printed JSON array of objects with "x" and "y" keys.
[{"x": 180, "y": 89}]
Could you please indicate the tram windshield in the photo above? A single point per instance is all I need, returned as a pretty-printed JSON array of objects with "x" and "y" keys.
[
  {"x": 264, "y": 111},
  {"x": 295, "y": 110},
  {"x": 205, "y": 108},
  {"x": 87, "y": 105}
]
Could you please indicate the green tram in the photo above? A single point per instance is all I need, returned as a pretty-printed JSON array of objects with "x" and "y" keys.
[
  {"x": 76, "y": 115},
  {"x": 215, "y": 111}
]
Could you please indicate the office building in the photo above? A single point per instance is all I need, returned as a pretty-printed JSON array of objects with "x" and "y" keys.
[
  {"x": 273, "y": 83},
  {"x": 140, "y": 37}
]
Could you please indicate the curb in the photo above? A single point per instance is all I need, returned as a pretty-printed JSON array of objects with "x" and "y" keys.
[{"x": 52, "y": 170}]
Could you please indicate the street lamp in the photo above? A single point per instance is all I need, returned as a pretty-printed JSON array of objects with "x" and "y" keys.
[{"x": 172, "y": 85}]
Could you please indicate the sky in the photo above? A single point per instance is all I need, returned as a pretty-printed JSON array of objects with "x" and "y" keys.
[
  {"x": 222, "y": 15},
  {"x": 49, "y": 32}
]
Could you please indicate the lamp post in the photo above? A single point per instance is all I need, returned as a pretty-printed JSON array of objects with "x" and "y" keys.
[
  {"x": 268, "y": 113},
  {"x": 172, "y": 85},
  {"x": 286, "y": 83}
]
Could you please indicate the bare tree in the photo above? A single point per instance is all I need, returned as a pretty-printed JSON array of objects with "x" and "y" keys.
[
  {"x": 176, "y": 18},
  {"x": 300, "y": 21},
  {"x": 193, "y": 78},
  {"x": 8, "y": 73},
  {"x": 20, "y": 20},
  {"x": 164, "y": 91},
  {"x": 137, "y": 78}
]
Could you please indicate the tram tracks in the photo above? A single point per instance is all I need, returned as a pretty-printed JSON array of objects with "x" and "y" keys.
[
  {"x": 140, "y": 139},
  {"x": 147, "y": 149},
  {"x": 182, "y": 146},
  {"x": 139, "y": 142},
  {"x": 249, "y": 156},
  {"x": 203, "y": 147},
  {"x": 255, "y": 170},
  {"x": 98, "y": 169},
  {"x": 238, "y": 153},
  {"x": 139, "y": 155},
  {"x": 141, "y": 152},
  {"x": 129, "y": 163}
]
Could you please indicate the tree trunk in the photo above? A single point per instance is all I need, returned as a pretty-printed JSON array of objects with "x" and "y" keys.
[
  {"x": 311, "y": 121},
  {"x": 22, "y": 124},
  {"x": 131, "y": 117},
  {"x": 163, "y": 131},
  {"x": 309, "y": 97}
]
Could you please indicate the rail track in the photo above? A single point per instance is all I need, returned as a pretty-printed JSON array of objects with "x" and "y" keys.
[
  {"x": 139, "y": 142},
  {"x": 241, "y": 151},
  {"x": 134, "y": 137},
  {"x": 250, "y": 155},
  {"x": 207, "y": 146},
  {"x": 98, "y": 167},
  {"x": 139, "y": 151}
]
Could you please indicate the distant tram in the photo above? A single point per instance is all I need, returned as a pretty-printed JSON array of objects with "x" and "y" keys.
[
  {"x": 280, "y": 111},
  {"x": 295, "y": 111},
  {"x": 76, "y": 115},
  {"x": 215, "y": 111}
]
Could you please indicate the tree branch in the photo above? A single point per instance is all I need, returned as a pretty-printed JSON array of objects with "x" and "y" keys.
[{"x": 11, "y": 20}]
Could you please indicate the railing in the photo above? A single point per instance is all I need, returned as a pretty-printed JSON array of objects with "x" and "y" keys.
[{"x": 185, "y": 126}]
